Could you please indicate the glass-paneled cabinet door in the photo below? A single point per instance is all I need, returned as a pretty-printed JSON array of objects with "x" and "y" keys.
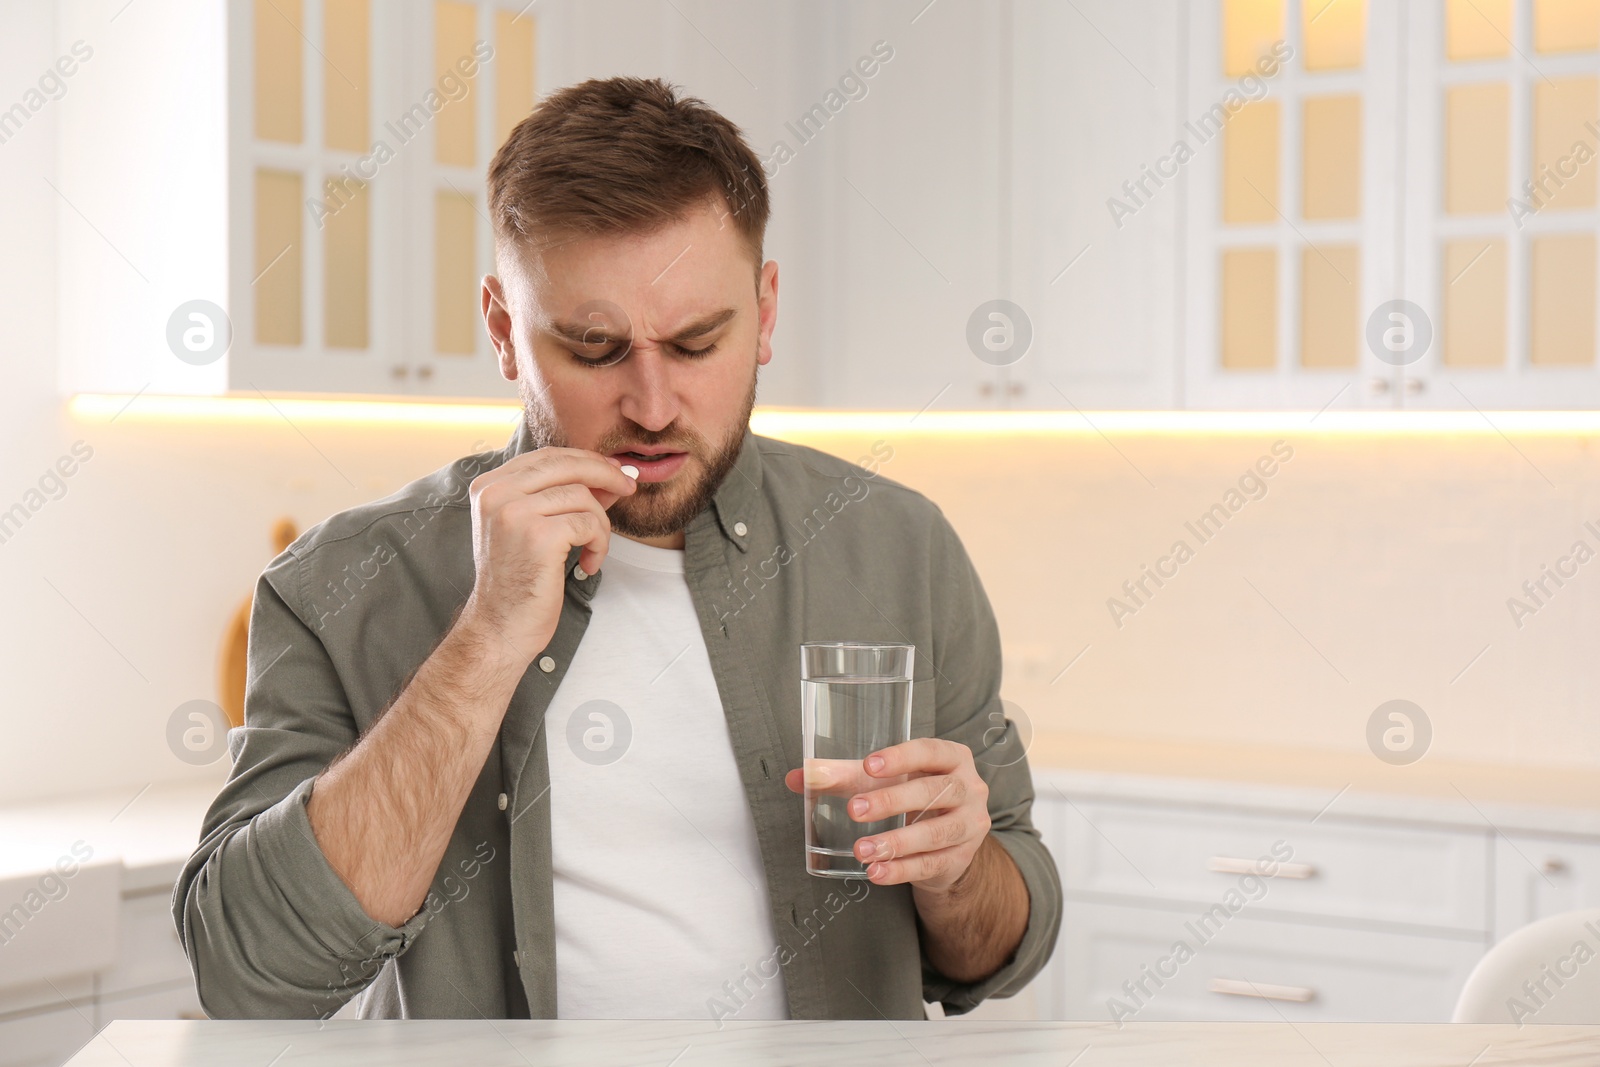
[
  {"x": 1288, "y": 141},
  {"x": 1503, "y": 150},
  {"x": 314, "y": 252},
  {"x": 469, "y": 77},
  {"x": 360, "y": 136}
]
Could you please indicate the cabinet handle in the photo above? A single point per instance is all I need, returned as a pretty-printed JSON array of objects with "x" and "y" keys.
[
  {"x": 986, "y": 389},
  {"x": 424, "y": 372},
  {"x": 1378, "y": 385},
  {"x": 1233, "y": 987},
  {"x": 1232, "y": 865},
  {"x": 399, "y": 370},
  {"x": 1016, "y": 388},
  {"x": 1555, "y": 865},
  {"x": 1415, "y": 386}
]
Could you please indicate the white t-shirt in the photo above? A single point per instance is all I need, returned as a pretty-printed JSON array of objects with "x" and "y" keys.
[{"x": 660, "y": 897}]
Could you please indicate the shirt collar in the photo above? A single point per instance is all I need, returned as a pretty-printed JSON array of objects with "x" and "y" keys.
[{"x": 734, "y": 503}]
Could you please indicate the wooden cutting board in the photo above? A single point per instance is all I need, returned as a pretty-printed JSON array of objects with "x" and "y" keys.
[{"x": 235, "y": 643}]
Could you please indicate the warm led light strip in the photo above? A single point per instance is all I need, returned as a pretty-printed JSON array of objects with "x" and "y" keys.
[
  {"x": 779, "y": 421},
  {"x": 102, "y": 407}
]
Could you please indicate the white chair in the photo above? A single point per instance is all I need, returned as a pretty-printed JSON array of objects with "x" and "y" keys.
[{"x": 1546, "y": 972}]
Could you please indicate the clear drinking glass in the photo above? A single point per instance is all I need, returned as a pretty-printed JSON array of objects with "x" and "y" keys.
[{"x": 855, "y": 698}]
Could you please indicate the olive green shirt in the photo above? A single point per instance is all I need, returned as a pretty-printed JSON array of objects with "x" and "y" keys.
[{"x": 796, "y": 546}]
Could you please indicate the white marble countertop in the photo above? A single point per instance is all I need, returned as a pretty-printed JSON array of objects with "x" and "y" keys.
[{"x": 870, "y": 1043}]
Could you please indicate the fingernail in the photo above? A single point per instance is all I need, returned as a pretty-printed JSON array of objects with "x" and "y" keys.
[
  {"x": 874, "y": 763},
  {"x": 868, "y": 850},
  {"x": 818, "y": 777},
  {"x": 630, "y": 470},
  {"x": 858, "y": 806},
  {"x": 876, "y": 870}
]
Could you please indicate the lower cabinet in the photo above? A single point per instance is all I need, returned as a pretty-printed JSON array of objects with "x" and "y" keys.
[
  {"x": 149, "y": 954},
  {"x": 1125, "y": 963},
  {"x": 1167, "y": 916},
  {"x": 1363, "y": 919},
  {"x": 43, "y": 1023},
  {"x": 1537, "y": 876},
  {"x": 179, "y": 1001},
  {"x": 45, "y": 1039}
]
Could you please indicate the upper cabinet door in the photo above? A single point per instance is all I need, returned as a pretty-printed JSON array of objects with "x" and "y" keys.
[
  {"x": 479, "y": 62},
  {"x": 313, "y": 243},
  {"x": 908, "y": 105},
  {"x": 1289, "y": 129},
  {"x": 1503, "y": 132},
  {"x": 361, "y": 136},
  {"x": 1094, "y": 202}
]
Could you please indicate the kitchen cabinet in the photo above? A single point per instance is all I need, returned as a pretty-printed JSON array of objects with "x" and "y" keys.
[
  {"x": 1093, "y": 100},
  {"x": 1167, "y": 223},
  {"x": 1291, "y": 205},
  {"x": 1376, "y": 908},
  {"x": 914, "y": 212},
  {"x": 1402, "y": 217},
  {"x": 970, "y": 258},
  {"x": 106, "y": 947},
  {"x": 44, "y": 1021},
  {"x": 1355, "y": 922},
  {"x": 1349, "y": 225},
  {"x": 44, "y": 1039},
  {"x": 1399, "y": 876},
  {"x": 1253, "y": 970},
  {"x": 1537, "y": 876},
  {"x": 1500, "y": 206},
  {"x": 150, "y": 962},
  {"x": 283, "y": 197}
]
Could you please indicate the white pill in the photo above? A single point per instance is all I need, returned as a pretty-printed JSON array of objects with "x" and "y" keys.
[{"x": 630, "y": 470}]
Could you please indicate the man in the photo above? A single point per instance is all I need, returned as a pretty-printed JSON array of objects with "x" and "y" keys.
[{"x": 523, "y": 739}]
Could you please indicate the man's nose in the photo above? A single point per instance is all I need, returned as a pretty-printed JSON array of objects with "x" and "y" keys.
[{"x": 647, "y": 394}]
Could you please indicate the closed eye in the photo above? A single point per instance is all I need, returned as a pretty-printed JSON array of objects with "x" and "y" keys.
[
  {"x": 616, "y": 354},
  {"x": 613, "y": 356}
]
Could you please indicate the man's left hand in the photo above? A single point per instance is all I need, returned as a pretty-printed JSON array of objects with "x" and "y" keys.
[{"x": 945, "y": 801}]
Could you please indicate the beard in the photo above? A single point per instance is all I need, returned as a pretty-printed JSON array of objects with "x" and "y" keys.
[{"x": 656, "y": 509}]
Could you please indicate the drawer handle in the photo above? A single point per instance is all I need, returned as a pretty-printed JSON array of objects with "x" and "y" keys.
[
  {"x": 1231, "y": 865},
  {"x": 1235, "y": 988}
]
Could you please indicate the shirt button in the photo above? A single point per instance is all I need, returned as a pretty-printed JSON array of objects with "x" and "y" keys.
[
  {"x": 579, "y": 573},
  {"x": 502, "y": 801},
  {"x": 546, "y": 664},
  {"x": 740, "y": 528}
]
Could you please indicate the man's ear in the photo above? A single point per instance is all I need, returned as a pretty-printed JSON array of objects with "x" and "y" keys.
[
  {"x": 497, "y": 320},
  {"x": 767, "y": 310}
]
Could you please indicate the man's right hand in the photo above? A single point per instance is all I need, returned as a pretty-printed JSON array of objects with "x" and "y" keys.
[{"x": 527, "y": 514}]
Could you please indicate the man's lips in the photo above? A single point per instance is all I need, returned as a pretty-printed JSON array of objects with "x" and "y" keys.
[{"x": 655, "y": 465}]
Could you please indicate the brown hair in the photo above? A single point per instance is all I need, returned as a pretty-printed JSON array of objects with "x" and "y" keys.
[{"x": 619, "y": 155}]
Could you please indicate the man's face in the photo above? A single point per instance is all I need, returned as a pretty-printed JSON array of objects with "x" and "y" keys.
[{"x": 643, "y": 347}]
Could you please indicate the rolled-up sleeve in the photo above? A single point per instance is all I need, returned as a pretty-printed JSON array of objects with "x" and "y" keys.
[
  {"x": 967, "y": 654},
  {"x": 270, "y": 928}
]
